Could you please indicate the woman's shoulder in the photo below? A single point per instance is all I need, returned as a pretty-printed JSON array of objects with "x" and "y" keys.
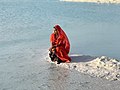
[
  {"x": 52, "y": 35},
  {"x": 52, "y": 38}
]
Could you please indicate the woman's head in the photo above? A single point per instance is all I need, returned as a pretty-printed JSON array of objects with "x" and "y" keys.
[
  {"x": 55, "y": 31},
  {"x": 57, "y": 27}
]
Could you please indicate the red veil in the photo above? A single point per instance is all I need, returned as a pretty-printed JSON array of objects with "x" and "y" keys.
[{"x": 64, "y": 48}]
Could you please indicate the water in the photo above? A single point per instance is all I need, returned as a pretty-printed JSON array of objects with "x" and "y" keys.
[
  {"x": 25, "y": 27},
  {"x": 92, "y": 28}
]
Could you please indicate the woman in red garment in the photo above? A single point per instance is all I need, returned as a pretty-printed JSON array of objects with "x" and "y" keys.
[{"x": 60, "y": 46}]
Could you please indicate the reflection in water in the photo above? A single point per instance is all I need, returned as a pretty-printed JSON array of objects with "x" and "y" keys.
[{"x": 57, "y": 77}]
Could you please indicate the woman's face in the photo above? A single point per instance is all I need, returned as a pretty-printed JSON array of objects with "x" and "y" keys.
[{"x": 55, "y": 31}]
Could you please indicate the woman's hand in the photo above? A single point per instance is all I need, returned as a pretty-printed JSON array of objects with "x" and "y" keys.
[
  {"x": 53, "y": 47},
  {"x": 56, "y": 46}
]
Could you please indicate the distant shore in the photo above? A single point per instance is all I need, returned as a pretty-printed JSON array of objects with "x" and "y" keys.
[{"x": 95, "y": 1}]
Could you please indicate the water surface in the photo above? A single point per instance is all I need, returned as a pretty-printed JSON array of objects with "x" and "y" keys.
[{"x": 25, "y": 27}]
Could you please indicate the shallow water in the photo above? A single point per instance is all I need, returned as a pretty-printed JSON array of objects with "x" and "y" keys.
[
  {"x": 29, "y": 72},
  {"x": 25, "y": 28}
]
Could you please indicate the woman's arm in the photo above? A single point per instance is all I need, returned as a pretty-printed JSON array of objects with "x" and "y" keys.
[{"x": 59, "y": 42}]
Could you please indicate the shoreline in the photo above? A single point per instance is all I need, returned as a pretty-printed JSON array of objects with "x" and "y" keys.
[
  {"x": 94, "y": 1},
  {"x": 102, "y": 67}
]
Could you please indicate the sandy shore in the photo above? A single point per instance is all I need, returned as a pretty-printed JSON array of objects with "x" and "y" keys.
[
  {"x": 102, "y": 67},
  {"x": 96, "y": 1}
]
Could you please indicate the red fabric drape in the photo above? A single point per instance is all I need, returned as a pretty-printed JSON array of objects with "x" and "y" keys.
[{"x": 63, "y": 49}]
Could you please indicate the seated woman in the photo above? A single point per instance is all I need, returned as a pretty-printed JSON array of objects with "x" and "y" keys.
[{"x": 60, "y": 46}]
